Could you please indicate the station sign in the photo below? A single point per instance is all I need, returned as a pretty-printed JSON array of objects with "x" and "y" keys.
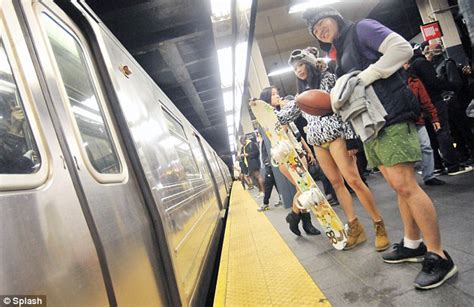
[{"x": 431, "y": 30}]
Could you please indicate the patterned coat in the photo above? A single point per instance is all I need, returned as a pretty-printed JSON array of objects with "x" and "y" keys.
[{"x": 320, "y": 129}]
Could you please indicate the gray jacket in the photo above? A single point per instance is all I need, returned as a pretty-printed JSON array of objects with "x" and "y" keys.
[{"x": 359, "y": 105}]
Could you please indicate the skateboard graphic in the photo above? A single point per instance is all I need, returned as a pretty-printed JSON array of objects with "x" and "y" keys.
[{"x": 283, "y": 152}]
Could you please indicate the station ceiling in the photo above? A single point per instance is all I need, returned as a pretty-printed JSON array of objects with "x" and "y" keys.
[{"x": 173, "y": 40}]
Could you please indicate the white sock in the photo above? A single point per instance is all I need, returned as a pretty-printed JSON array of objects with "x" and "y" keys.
[{"x": 412, "y": 244}]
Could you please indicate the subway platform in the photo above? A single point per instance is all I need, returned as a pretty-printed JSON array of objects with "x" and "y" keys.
[{"x": 263, "y": 263}]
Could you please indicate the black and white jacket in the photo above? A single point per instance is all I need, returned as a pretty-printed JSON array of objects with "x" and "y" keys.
[{"x": 320, "y": 129}]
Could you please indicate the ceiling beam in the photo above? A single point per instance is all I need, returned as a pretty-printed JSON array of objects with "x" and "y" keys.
[
  {"x": 170, "y": 53},
  {"x": 153, "y": 46}
]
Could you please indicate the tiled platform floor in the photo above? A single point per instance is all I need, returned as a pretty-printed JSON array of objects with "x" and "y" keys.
[{"x": 359, "y": 277}]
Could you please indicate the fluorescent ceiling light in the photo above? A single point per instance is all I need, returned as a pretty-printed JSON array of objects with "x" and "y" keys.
[
  {"x": 240, "y": 61},
  {"x": 220, "y": 10},
  {"x": 280, "y": 71},
  {"x": 229, "y": 119},
  {"x": 303, "y": 6},
  {"x": 244, "y": 5},
  {"x": 228, "y": 101},
  {"x": 224, "y": 57}
]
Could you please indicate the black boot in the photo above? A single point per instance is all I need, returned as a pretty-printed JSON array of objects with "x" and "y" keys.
[
  {"x": 307, "y": 226},
  {"x": 294, "y": 219}
]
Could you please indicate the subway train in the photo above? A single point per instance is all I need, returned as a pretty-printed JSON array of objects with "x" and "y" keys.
[{"x": 108, "y": 195}]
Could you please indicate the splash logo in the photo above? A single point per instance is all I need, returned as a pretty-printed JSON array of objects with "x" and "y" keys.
[{"x": 22, "y": 300}]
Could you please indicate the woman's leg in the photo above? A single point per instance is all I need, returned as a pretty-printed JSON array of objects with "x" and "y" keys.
[
  {"x": 348, "y": 167},
  {"x": 356, "y": 233},
  {"x": 334, "y": 176}
]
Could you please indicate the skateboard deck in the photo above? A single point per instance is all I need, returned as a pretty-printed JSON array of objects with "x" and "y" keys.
[{"x": 284, "y": 152}]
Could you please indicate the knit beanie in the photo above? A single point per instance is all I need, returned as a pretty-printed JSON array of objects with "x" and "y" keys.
[
  {"x": 313, "y": 15},
  {"x": 308, "y": 55}
]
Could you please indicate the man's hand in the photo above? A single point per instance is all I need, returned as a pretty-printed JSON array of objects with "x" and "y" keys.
[
  {"x": 252, "y": 102},
  {"x": 17, "y": 116},
  {"x": 436, "y": 126}
]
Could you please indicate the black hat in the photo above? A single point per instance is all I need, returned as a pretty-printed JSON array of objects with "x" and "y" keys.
[{"x": 313, "y": 15}]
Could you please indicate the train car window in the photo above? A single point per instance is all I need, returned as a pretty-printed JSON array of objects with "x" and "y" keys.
[
  {"x": 18, "y": 150},
  {"x": 83, "y": 98},
  {"x": 183, "y": 148}
]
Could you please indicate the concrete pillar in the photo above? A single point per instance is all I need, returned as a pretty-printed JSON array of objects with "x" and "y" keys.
[{"x": 437, "y": 10}]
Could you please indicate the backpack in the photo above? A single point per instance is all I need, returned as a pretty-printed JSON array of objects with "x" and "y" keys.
[{"x": 448, "y": 70}]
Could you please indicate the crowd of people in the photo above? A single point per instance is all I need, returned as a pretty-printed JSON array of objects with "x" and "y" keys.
[{"x": 414, "y": 118}]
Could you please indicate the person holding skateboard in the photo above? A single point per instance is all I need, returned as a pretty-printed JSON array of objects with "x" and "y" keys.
[{"x": 270, "y": 95}]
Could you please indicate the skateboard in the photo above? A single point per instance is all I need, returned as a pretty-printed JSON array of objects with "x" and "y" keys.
[{"x": 284, "y": 152}]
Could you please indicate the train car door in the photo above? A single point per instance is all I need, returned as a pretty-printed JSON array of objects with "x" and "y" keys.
[
  {"x": 46, "y": 244},
  {"x": 110, "y": 188}
]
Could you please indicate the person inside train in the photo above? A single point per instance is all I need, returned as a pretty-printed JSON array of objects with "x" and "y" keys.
[
  {"x": 15, "y": 155},
  {"x": 251, "y": 157},
  {"x": 270, "y": 95},
  {"x": 335, "y": 145},
  {"x": 374, "y": 55}
]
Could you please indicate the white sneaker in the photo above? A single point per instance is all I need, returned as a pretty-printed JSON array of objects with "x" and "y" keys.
[
  {"x": 260, "y": 195},
  {"x": 461, "y": 170}
]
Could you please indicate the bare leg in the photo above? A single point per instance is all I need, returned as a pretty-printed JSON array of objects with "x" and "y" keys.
[
  {"x": 410, "y": 228},
  {"x": 334, "y": 176},
  {"x": 348, "y": 167},
  {"x": 402, "y": 178}
]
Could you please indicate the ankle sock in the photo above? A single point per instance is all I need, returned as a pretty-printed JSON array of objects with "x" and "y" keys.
[{"x": 412, "y": 244}]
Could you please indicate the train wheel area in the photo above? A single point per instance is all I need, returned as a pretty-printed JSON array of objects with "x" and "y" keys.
[{"x": 263, "y": 263}]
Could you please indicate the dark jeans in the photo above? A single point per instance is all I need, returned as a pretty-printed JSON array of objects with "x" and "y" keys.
[
  {"x": 445, "y": 141},
  {"x": 269, "y": 183},
  {"x": 460, "y": 130}
]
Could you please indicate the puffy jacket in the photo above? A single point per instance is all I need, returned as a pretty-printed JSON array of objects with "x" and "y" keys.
[{"x": 393, "y": 93}]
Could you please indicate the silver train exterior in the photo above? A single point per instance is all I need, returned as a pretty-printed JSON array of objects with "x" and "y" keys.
[{"x": 108, "y": 195}]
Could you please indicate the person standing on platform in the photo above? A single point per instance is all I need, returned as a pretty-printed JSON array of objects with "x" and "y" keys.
[
  {"x": 429, "y": 112},
  {"x": 270, "y": 95},
  {"x": 333, "y": 142},
  {"x": 251, "y": 156},
  {"x": 379, "y": 53},
  {"x": 269, "y": 181},
  {"x": 424, "y": 70}
]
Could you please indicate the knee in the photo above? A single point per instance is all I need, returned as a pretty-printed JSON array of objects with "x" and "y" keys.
[
  {"x": 355, "y": 182},
  {"x": 403, "y": 188},
  {"x": 336, "y": 182}
]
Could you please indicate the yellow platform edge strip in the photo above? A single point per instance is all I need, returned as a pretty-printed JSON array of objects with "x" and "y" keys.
[{"x": 257, "y": 267}]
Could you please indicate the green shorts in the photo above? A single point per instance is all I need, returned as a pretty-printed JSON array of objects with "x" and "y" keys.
[{"x": 395, "y": 144}]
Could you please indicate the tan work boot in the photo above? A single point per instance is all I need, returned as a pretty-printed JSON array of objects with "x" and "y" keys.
[
  {"x": 381, "y": 238},
  {"x": 355, "y": 235}
]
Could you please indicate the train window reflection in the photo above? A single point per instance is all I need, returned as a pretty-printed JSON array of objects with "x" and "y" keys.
[
  {"x": 18, "y": 150},
  {"x": 77, "y": 80},
  {"x": 178, "y": 140}
]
